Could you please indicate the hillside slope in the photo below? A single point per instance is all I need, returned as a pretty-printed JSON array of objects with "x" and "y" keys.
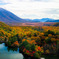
[
  {"x": 5, "y": 27},
  {"x": 6, "y": 16}
]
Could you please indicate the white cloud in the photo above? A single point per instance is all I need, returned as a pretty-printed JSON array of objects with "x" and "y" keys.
[
  {"x": 33, "y": 8},
  {"x": 11, "y": 1}
]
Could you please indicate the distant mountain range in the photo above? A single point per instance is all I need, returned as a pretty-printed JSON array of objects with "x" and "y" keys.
[
  {"x": 7, "y": 16},
  {"x": 42, "y": 20},
  {"x": 52, "y": 21}
]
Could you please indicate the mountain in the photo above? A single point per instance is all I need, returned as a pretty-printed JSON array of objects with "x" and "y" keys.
[
  {"x": 36, "y": 20},
  {"x": 52, "y": 21},
  {"x": 28, "y": 20},
  {"x": 6, "y": 16},
  {"x": 9, "y": 17},
  {"x": 43, "y": 20}
]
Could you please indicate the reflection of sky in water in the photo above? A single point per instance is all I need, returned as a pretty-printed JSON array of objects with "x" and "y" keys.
[
  {"x": 4, "y": 54},
  {"x": 2, "y": 46}
]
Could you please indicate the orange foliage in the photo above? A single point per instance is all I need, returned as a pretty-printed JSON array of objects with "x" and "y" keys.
[
  {"x": 15, "y": 43},
  {"x": 23, "y": 40}
]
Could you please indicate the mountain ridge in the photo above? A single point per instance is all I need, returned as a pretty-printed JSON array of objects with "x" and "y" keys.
[
  {"x": 7, "y": 16},
  {"x": 43, "y": 20}
]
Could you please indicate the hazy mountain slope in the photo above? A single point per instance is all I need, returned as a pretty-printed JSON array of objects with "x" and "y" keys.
[
  {"x": 43, "y": 20},
  {"x": 6, "y": 16},
  {"x": 52, "y": 21}
]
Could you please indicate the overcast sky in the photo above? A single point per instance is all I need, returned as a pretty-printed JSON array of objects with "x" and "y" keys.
[{"x": 32, "y": 9}]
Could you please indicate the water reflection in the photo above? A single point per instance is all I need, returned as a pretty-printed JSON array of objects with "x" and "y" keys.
[
  {"x": 12, "y": 49},
  {"x": 9, "y": 53},
  {"x": 14, "y": 53}
]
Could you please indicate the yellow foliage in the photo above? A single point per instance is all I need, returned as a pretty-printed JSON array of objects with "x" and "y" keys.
[
  {"x": 53, "y": 39},
  {"x": 47, "y": 51},
  {"x": 46, "y": 38}
]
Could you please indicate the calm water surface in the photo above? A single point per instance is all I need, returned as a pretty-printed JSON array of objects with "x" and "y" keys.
[
  {"x": 8, "y": 53},
  {"x": 13, "y": 53}
]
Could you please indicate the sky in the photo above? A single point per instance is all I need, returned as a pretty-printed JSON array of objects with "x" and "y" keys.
[{"x": 32, "y": 9}]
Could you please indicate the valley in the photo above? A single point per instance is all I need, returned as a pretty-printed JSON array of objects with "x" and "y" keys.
[{"x": 28, "y": 38}]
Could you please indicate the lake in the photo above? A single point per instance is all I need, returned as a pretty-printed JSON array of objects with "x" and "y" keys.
[{"x": 13, "y": 53}]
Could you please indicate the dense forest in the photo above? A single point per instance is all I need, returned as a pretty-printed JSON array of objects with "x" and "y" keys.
[{"x": 31, "y": 40}]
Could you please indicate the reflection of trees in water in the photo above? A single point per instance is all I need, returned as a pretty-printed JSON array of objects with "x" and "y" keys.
[
  {"x": 26, "y": 57},
  {"x": 0, "y": 43},
  {"x": 13, "y": 49}
]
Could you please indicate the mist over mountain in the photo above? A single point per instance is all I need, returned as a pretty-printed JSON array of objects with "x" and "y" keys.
[
  {"x": 43, "y": 20},
  {"x": 33, "y": 20},
  {"x": 52, "y": 20}
]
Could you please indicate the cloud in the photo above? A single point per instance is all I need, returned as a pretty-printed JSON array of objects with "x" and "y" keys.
[
  {"x": 12, "y": 1},
  {"x": 47, "y": 0},
  {"x": 33, "y": 8}
]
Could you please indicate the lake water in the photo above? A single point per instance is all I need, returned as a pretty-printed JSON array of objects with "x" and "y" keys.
[{"x": 13, "y": 53}]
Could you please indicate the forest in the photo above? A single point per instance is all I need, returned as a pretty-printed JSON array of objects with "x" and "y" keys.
[{"x": 33, "y": 41}]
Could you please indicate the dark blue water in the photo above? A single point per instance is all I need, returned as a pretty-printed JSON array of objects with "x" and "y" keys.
[{"x": 13, "y": 53}]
